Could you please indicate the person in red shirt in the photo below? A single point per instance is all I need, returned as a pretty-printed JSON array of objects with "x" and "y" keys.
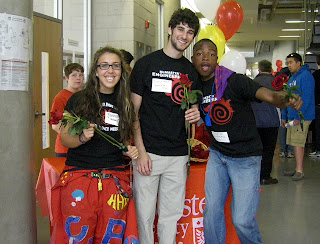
[{"x": 74, "y": 76}]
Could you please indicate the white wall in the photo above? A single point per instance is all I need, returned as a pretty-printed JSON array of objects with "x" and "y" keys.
[{"x": 281, "y": 50}]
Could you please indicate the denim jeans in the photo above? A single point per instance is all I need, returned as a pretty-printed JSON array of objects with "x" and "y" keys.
[
  {"x": 244, "y": 176},
  {"x": 283, "y": 141}
]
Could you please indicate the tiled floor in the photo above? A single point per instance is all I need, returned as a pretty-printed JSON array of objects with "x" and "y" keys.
[{"x": 289, "y": 212}]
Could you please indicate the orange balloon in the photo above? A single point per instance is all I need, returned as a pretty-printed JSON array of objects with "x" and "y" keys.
[{"x": 229, "y": 18}]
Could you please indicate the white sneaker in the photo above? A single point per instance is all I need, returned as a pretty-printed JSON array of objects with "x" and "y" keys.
[
  {"x": 314, "y": 154},
  {"x": 290, "y": 155},
  {"x": 282, "y": 154}
]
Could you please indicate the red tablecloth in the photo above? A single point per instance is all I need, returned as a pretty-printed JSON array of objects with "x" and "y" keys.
[{"x": 190, "y": 226}]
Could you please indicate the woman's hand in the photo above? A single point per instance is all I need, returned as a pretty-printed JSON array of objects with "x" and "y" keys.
[
  {"x": 87, "y": 134},
  {"x": 132, "y": 152}
]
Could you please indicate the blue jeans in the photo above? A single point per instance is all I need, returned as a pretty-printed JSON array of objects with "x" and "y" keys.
[
  {"x": 244, "y": 176},
  {"x": 283, "y": 140}
]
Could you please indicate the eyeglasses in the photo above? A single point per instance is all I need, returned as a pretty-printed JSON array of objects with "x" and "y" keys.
[{"x": 105, "y": 66}]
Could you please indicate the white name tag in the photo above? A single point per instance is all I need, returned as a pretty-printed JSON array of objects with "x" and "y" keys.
[
  {"x": 161, "y": 85},
  {"x": 221, "y": 136},
  {"x": 111, "y": 118}
]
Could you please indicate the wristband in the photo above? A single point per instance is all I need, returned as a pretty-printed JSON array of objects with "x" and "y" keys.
[{"x": 81, "y": 140}]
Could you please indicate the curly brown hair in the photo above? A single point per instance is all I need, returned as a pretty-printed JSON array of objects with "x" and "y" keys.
[
  {"x": 185, "y": 16},
  {"x": 89, "y": 104}
]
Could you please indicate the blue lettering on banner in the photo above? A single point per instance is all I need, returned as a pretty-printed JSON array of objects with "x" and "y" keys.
[
  {"x": 131, "y": 240},
  {"x": 109, "y": 233},
  {"x": 83, "y": 232}
]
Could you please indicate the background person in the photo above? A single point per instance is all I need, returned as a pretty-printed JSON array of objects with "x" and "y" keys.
[
  {"x": 316, "y": 128},
  {"x": 74, "y": 76},
  {"x": 92, "y": 201},
  {"x": 127, "y": 58},
  {"x": 159, "y": 131},
  {"x": 268, "y": 122},
  {"x": 296, "y": 137}
]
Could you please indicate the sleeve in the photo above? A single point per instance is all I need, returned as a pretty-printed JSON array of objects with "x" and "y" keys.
[
  {"x": 307, "y": 94},
  {"x": 246, "y": 87},
  {"x": 137, "y": 78},
  {"x": 57, "y": 103}
]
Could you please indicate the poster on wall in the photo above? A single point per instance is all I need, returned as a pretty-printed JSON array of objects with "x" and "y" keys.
[{"x": 14, "y": 52}]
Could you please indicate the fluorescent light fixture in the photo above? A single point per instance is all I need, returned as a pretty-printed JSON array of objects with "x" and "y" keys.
[
  {"x": 292, "y": 29},
  {"x": 299, "y": 21},
  {"x": 289, "y": 36},
  {"x": 309, "y": 11},
  {"x": 308, "y": 52}
]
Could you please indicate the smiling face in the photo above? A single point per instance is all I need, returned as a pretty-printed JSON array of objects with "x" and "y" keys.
[
  {"x": 180, "y": 37},
  {"x": 205, "y": 59},
  {"x": 109, "y": 78}
]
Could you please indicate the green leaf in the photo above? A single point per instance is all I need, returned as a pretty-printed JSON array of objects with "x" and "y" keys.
[
  {"x": 72, "y": 131},
  {"x": 295, "y": 88}
]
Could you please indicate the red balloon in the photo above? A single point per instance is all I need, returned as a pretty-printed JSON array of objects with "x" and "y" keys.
[{"x": 229, "y": 18}]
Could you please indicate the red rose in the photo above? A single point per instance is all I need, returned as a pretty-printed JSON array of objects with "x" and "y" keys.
[
  {"x": 184, "y": 80},
  {"x": 278, "y": 82},
  {"x": 56, "y": 117}
]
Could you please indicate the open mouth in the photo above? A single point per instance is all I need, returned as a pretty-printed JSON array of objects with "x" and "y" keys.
[{"x": 205, "y": 67}]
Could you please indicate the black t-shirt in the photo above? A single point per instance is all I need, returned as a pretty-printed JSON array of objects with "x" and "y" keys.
[
  {"x": 97, "y": 152},
  {"x": 233, "y": 127},
  {"x": 161, "y": 118}
]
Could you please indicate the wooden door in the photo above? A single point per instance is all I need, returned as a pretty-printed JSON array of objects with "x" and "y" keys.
[{"x": 47, "y": 82}]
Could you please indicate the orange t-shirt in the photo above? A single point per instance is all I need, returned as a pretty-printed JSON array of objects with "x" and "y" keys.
[{"x": 59, "y": 102}]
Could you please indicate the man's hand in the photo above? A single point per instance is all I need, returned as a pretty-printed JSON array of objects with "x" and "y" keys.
[
  {"x": 192, "y": 115},
  {"x": 144, "y": 164}
]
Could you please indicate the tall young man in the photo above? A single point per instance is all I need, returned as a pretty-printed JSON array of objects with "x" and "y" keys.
[
  {"x": 296, "y": 137},
  {"x": 235, "y": 150},
  {"x": 160, "y": 133}
]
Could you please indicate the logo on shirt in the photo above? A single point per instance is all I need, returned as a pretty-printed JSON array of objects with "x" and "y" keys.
[
  {"x": 221, "y": 112},
  {"x": 177, "y": 93}
]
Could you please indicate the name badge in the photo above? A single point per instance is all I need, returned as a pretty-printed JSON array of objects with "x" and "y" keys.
[
  {"x": 161, "y": 85},
  {"x": 111, "y": 118},
  {"x": 221, "y": 136}
]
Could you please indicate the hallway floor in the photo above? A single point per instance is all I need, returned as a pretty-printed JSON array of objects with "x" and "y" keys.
[{"x": 289, "y": 212}]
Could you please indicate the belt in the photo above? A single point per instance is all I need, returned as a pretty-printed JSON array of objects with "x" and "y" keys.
[{"x": 100, "y": 175}]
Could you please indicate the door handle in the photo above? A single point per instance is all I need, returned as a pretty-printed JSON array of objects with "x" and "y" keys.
[{"x": 37, "y": 114}]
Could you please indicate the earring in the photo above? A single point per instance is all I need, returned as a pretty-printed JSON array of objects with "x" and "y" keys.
[{"x": 97, "y": 74}]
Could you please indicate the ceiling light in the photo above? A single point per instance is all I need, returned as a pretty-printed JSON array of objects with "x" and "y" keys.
[
  {"x": 293, "y": 29},
  {"x": 299, "y": 21},
  {"x": 289, "y": 36},
  {"x": 315, "y": 11}
]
